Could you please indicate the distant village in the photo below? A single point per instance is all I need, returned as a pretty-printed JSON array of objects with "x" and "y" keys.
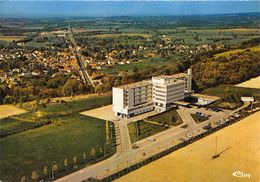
[{"x": 52, "y": 62}]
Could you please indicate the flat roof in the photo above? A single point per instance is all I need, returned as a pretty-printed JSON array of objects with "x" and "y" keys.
[
  {"x": 182, "y": 103},
  {"x": 247, "y": 99},
  {"x": 178, "y": 75},
  {"x": 136, "y": 84},
  {"x": 146, "y": 82},
  {"x": 210, "y": 97}
]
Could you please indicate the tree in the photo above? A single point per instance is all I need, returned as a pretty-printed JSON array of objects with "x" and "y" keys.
[
  {"x": 23, "y": 179},
  {"x": 75, "y": 162},
  {"x": 65, "y": 163},
  {"x": 117, "y": 81},
  {"x": 35, "y": 176},
  {"x": 8, "y": 99},
  {"x": 73, "y": 87},
  {"x": 98, "y": 88},
  {"x": 55, "y": 167},
  {"x": 84, "y": 155},
  {"x": 45, "y": 170},
  {"x": 93, "y": 152},
  {"x": 100, "y": 150},
  {"x": 135, "y": 70}
]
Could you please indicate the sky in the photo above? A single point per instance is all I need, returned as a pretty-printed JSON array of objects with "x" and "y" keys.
[{"x": 53, "y": 8}]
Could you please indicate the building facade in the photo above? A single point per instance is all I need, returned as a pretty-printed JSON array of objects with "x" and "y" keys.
[
  {"x": 166, "y": 91},
  {"x": 169, "y": 89},
  {"x": 133, "y": 99},
  {"x": 160, "y": 94}
]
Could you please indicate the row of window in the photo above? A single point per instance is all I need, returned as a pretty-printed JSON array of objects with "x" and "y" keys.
[
  {"x": 141, "y": 105},
  {"x": 142, "y": 93},
  {"x": 142, "y": 88},
  {"x": 160, "y": 99}
]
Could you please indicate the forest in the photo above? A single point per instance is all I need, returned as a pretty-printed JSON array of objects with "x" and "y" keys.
[{"x": 226, "y": 70}]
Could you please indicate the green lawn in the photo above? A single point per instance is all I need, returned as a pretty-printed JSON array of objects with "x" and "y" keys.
[
  {"x": 51, "y": 113},
  {"x": 123, "y": 34},
  {"x": 212, "y": 36},
  {"x": 70, "y": 135},
  {"x": 198, "y": 119},
  {"x": 140, "y": 129},
  {"x": 171, "y": 118},
  {"x": 9, "y": 125},
  {"x": 78, "y": 105},
  {"x": 235, "y": 51},
  {"x": 229, "y": 105},
  {"x": 224, "y": 91},
  {"x": 226, "y": 104}
]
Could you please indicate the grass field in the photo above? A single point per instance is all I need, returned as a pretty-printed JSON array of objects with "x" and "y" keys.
[
  {"x": 51, "y": 113},
  {"x": 209, "y": 35},
  {"x": 78, "y": 105},
  {"x": 123, "y": 34},
  {"x": 235, "y": 51},
  {"x": 171, "y": 118},
  {"x": 30, "y": 104},
  {"x": 198, "y": 119},
  {"x": 229, "y": 105},
  {"x": 10, "y": 125},
  {"x": 70, "y": 135},
  {"x": 252, "y": 83},
  {"x": 140, "y": 129},
  {"x": 144, "y": 128},
  {"x": 224, "y": 91},
  {"x": 232, "y": 30},
  {"x": 11, "y": 38},
  {"x": 194, "y": 162}
]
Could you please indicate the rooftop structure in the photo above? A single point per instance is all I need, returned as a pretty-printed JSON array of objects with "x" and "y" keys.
[{"x": 135, "y": 85}]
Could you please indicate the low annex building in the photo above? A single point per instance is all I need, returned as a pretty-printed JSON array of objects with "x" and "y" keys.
[{"x": 160, "y": 93}]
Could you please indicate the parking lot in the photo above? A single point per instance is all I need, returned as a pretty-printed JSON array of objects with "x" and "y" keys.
[
  {"x": 213, "y": 115},
  {"x": 189, "y": 128}
]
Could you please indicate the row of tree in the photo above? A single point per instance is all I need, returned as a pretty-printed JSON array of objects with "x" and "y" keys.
[
  {"x": 43, "y": 89},
  {"x": 54, "y": 169}
]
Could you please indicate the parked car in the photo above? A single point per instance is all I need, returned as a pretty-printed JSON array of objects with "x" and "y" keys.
[
  {"x": 182, "y": 139},
  {"x": 151, "y": 139},
  {"x": 189, "y": 135},
  {"x": 135, "y": 146}
]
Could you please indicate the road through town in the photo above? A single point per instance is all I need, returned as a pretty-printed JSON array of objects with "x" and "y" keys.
[{"x": 82, "y": 69}]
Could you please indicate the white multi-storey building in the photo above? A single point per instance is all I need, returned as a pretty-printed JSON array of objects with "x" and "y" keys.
[
  {"x": 160, "y": 94},
  {"x": 133, "y": 99},
  {"x": 166, "y": 91},
  {"x": 169, "y": 89}
]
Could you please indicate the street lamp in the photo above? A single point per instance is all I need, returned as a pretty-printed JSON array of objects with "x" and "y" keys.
[{"x": 52, "y": 171}]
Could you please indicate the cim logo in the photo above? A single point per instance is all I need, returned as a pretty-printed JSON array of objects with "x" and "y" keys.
[{"x": 241, "y": 174}]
